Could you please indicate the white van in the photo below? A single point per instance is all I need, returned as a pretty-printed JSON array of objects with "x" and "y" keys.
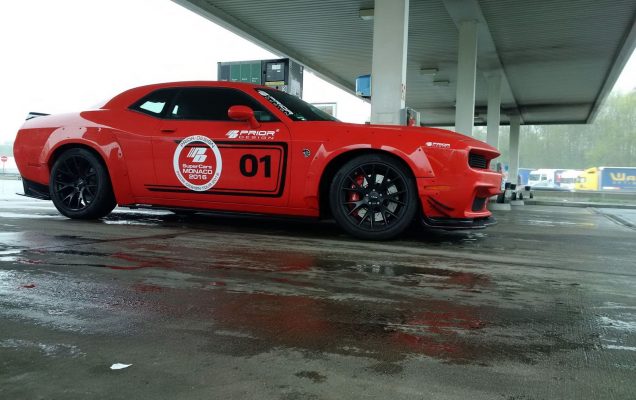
[
  {"x": 566, "y": 179},
  {"x": 542, "y": 178}
]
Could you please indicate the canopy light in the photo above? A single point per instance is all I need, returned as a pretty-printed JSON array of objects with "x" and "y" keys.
[
  {"x": 428, "y": 71},
  {"x": 367, "y": 14},
  {"x": 441, "y": 83}
]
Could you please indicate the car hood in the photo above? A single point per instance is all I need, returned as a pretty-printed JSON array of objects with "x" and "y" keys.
[{"x": 433, "y": 135}]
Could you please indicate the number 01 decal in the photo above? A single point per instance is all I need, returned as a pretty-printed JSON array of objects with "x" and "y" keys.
[
  {"x": 249, "y": 169},
  {"x": 249, "y": 165},
  {"x": 253, "y": 169}
]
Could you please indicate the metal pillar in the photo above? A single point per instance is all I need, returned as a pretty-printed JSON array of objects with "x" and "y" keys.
[
  {"x": 494, "y": 108},
  {"x": 513, "y": 168},
  {"x": 466, "y": 75},
  {"x": 388, "y": 67}
]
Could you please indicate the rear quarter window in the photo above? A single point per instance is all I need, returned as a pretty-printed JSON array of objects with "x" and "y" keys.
[{"x": 154, "y": 104}]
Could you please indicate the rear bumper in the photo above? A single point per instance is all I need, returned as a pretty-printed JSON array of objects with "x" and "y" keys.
[
  {"x": 456, "y": 224},
  {"x": 36, "y": 190}
]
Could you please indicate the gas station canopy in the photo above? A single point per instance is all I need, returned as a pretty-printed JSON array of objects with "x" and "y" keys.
[{"x": 558, "y": 59}]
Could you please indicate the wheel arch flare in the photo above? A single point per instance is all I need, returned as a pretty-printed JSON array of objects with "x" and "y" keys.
[
  {"x": 110, "y": 154},
  {"x": 416, "y": 163}
]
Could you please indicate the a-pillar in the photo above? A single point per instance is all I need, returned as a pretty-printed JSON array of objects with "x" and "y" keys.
[
  {"x": 494, "y": 108},
  {"x": 513, "y": 168},
  {"x": 388, "y": 66},
  {"x": 466, "y": 75}
]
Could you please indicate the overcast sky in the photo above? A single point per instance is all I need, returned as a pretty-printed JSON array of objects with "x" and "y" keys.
[{"x": 65, "y": 55}]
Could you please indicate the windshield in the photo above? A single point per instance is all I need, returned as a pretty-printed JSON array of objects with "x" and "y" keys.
[
  {"x": 534, "y": 177},
  {"x": 294, "y": 107}
]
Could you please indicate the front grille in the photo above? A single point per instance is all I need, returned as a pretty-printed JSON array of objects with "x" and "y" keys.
[
  {"x": 477, "y": 161},
  {"x": 479, "y": 203}
]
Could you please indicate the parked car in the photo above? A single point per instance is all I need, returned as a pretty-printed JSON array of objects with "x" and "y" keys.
[{"x": 244, "y": 148}]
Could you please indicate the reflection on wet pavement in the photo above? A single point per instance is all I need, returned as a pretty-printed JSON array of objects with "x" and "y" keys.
[
  {"x": 271, "y": 308},
  {"x": 323, "y": 303}
]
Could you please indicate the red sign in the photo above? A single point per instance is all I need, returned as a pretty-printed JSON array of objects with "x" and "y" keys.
[{"x": 4, "y": 159}]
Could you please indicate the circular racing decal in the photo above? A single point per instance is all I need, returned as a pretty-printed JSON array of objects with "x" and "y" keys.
[{"x": 197, "y": 163}]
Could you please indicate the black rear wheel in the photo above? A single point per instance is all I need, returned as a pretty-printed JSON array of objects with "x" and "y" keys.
[
  {"x": 373, "y": 196},
  {"x": 80, "y": 186}
]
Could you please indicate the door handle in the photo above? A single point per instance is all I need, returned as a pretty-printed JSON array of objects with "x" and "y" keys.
[{"x": 168, "y": 130}]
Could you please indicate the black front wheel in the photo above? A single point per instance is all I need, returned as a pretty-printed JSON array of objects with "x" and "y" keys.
[
  {"x": 80, "y": 186},
  {"x": 374, "y": 197}
]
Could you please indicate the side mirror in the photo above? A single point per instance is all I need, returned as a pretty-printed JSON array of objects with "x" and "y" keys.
[{"x": 243, "y": 113}]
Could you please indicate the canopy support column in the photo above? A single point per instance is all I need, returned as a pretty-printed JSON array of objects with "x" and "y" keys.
[
  {"x": 494, "y": 108},
  {"x": 515, "y": 128},
  {"x": 388, "y": 66},
  {"x": 466, "y": 75}
]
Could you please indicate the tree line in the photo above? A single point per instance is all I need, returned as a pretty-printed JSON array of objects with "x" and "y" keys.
[{"x": 609, "y": 141}]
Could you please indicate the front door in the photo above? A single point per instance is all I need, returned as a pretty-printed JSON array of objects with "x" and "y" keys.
[{"x": 202, "y": 155}]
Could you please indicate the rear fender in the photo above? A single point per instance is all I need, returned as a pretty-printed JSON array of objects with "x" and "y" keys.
[{"x": 102, "y": 141}]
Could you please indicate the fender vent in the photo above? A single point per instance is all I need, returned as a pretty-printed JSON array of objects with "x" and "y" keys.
[
  {"x": 477, "y": 161},
  {"x": 479, "y": 203}
]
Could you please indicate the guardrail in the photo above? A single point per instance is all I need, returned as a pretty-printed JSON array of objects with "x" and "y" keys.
[
  {"x": 587, "y": 196},
  {"x": 10, "y": 176}
]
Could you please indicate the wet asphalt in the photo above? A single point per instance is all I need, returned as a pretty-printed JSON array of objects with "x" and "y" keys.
[{"x": 541, "y": 306}]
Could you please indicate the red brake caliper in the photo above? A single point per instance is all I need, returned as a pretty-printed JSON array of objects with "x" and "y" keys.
[{"x": 355, "y": 196}]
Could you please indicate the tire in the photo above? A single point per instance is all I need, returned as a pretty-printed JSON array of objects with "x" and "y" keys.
[
  {"x": 80, "y": 186},
  {"x": 378, "y": 184}
]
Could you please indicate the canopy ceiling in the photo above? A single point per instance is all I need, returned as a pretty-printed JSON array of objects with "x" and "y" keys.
[{"x": 559, "y": 59}]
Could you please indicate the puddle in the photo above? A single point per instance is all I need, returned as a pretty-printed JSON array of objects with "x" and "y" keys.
[
  {"x": 48, "y": 350},
  {"x": 146, "y": 222},
  {"x": 552, "y": 223},
  {"x": 29, "y": 216},
  {"x": 616, "y": 347},
  {"x": 10, "y": 255},
  {"x": 626, "y": 326},
  {"x": 9, "y": 252},
  {"x": 247, "y": 324}
]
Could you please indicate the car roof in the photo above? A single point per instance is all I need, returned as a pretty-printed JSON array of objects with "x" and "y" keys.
[{"x": 125, "y": 99}]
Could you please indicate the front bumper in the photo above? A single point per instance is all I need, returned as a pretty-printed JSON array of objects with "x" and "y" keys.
[
  {"x": 457, "y": 224},
  {"x": 457, "y": 192},
  {"x": 462, "y": 198}
]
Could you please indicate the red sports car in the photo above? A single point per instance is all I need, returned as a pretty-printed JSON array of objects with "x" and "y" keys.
[{"x": 244, "y": 148}]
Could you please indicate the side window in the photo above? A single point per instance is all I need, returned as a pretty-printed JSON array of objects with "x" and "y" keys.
[
  {"x": 155, "y": 103},
  {"x": 212, "y": 104}
]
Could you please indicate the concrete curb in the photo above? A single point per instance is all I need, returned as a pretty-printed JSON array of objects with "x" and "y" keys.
[
  {"x": 9, "y": 177},
  {"x": 618, "y": 219},
  {"x": 580, "y": 204},
  {"x": 499, "y": 207}
]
